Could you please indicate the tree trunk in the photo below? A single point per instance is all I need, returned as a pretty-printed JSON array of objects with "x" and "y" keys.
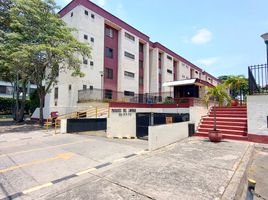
[
  {"x": 41, "y": 109},
  {"x": 22, "y": 105},
  {"x": 17, "y": 103}
]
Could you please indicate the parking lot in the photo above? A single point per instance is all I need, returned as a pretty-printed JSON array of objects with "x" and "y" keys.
[
  {"x": 39, "y": 165},
  {"x": 30, "y": 159}
]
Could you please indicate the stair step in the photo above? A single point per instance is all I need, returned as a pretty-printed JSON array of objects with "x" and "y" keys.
[
  {"x": 225, "y": 119},
  {"x": 230, "y": 137},
  {"x": 224, "y": 131},
  {"x": 229, "y": 112},
  {"x": 229, "y": 115},
  {"x": 233, "y": 123},
  {"x": 231, "y": 108},
  {"x": 210, "y": 126}
]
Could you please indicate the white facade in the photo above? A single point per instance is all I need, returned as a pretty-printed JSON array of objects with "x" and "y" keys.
[
  {"x": 90, "y": 21},
  {"x": 257, "y": 112}
]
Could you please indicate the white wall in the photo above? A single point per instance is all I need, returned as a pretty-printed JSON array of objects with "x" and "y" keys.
[
  {"x": 167, "y": 77},
  {"x": 94, "y": 28},
  {"x": 163, "y": 135},
  {"x": 154, "y": 81},
  {"x": 125, "y": 126},
  {"x": 257, "y": 112},
  {"x": 196, "y": 113},
  {"x": 146, "y": 65},
  {"x": 128, "y": 64},
  {"x": 184, "y": 71}
]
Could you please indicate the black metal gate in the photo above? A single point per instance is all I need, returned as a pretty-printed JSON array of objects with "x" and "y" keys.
[{"x": 142, "y": 124}]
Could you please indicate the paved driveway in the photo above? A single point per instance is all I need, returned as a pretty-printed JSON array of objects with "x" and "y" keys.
[
  {"x": 31, "y": 160},
  {"x": 191, "y": 169}
]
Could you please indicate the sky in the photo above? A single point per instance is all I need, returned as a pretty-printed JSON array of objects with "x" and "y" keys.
[{"x": 220, "y": 36}]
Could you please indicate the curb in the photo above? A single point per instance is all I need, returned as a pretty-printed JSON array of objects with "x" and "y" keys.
[
  {"x": 124, "y": 138},
  {"x": 238, "y": 182}
]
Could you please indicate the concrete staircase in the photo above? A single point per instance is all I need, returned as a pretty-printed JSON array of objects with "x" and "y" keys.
[{"x": 231, "y": 121}]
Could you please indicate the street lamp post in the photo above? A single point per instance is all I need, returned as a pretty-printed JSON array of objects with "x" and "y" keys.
[{"x": 265, "y": 38}]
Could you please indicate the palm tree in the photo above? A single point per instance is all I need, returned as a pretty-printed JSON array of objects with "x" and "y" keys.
[
  {"x": 219, "y": 94},
  {"x": 236, "y": 83}
]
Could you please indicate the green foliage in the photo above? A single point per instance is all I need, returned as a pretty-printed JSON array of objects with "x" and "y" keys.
[
  {"x": 238, "y": 85},
  {"x": 7, "y": 105},
  {"x": 168, "y": 100},
  {"x": 35, "y": 43},
  {"x": 218, "y": 93}
]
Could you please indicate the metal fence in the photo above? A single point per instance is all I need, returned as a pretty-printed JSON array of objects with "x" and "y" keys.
[
  {"x": 150, "y": 98},
  {"x": 258, "y": 79},
  {"x": 108, "y": 95}
]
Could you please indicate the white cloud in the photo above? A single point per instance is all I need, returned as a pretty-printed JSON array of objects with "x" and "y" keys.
[
  {"x": 100, "y": 2},
  {"x": 209, "y": 61},
  {"x": 202, "y": 36}
]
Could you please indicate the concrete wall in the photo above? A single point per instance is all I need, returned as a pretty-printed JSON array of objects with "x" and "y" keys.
[
  {"x": 163, "y": 135},
  {"x": 125, "y": 126},
  {"x": 128, "y": 64},
  {"x": 257, "y": 111},
  {"x": 184, "y": 71},
  {"x": 196, "y": 113}
]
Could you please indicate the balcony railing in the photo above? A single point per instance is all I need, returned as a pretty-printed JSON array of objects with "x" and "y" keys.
[{"x": 258, "y": 79}]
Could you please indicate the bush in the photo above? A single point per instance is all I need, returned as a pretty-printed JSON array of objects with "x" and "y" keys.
[
  {"x": 6, "y": 105},
  {"x": 169, "y": 100}
]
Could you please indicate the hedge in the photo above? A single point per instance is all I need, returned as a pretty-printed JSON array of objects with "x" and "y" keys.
[{"x": 7, "y": 105}]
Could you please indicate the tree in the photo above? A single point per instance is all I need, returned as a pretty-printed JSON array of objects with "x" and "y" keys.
[
  {"x": 11, "y": 69},
  {"x": 217, "y": 93},
  {"x": 48, "y": 45},
  {"x": 237, "y": 85}
]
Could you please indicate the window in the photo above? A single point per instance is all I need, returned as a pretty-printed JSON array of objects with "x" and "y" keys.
[
  {"x": 92, "y": 16},
  {"x": 86, "y": 12},
  {"x": 129, "y": 93},
  {"x": 91, "y": 87},
  {"x": 196, "y": 72},
  {"x": 109, "y": 52},
  {"x": 70, "y": 87},
  {"x": 141, "y": 48},
  {"x": 85, "y": 62},
  {"x": 109, "y": 32},
  {"x": 141, "y": 81},
  {"x": 84, "y": 87},
  {"x": 129, "y": 74},
  {"x": 85, "y": 37},
  {"x": 91, "y": 63},
  {"x": 168, "y": 57},
  {"x": 129, "y": 55},
  {"x": 140, "y": 64},
  {"x": 3, "y": 89},
  {"x": 108, "y": 73},
  {"x": 108, "y": 94},
  {"x": 72, "y": 14},
  {"x": 56, "y": 93},
  {"x": 131, "y": 37},
  {"x": 169, "y": 71},
  {"x": 92, "y": 39}
]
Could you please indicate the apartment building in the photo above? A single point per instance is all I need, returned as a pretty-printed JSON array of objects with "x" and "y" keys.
[{"x": 124, "y": 62}]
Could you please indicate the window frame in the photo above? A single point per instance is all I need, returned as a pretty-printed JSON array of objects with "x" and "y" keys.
[
  {"x": 110, "y": 53},
  {"x": 129, "y": 36},
  {"x": 129, "y": 55},
  {"x": 129, "y": 74}
]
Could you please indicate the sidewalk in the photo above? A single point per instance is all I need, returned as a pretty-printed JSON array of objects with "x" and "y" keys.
[
  {"x": 191, "y": 169},
  {"x": 259, "y": 169}
]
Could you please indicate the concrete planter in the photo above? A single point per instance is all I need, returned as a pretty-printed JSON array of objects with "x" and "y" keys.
[{"x": 215, "y": 136}]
